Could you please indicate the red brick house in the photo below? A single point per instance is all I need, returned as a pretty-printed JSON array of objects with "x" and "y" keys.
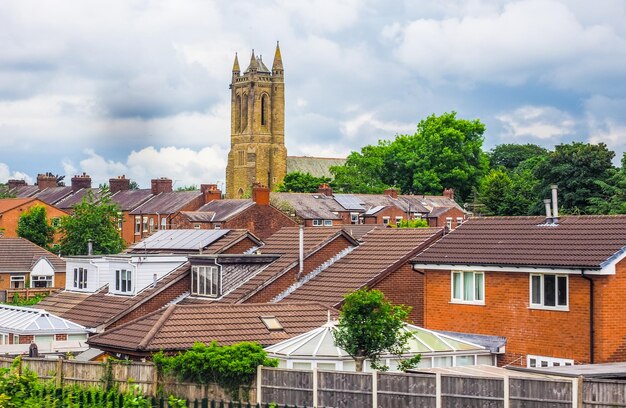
[
  {"x": 24, "y": 264},
  {"x": 554, "y": 290},
  {"x": 11, "y": 209}
]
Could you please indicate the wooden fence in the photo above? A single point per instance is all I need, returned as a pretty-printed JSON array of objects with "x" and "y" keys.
[
  {"x": 6, "y": 295},
  {"x": 302, "y": 388}
]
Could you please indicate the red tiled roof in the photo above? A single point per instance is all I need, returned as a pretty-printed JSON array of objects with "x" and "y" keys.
[
  {"x": 384, "y": 250},
  {"x": 576, "y": 242},
  {"x": 20, "y": 255},
  {"x": 178, "y": 327}
]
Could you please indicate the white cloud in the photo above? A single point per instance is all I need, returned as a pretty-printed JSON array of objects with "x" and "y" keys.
[
  {"x": 184, "y": 166},
  {"x": 6, "y": 174},
  {"x": 538, "y": 122},
  {"x": 366, "y": 126}
]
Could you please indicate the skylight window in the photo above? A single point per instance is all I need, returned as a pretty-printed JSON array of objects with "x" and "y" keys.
[{"x": 271, "y": 323}]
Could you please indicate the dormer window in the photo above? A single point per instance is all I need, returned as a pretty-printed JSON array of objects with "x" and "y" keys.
[
  {"x": 123, "y": 280},
  {"x": 205, "y": 281}
]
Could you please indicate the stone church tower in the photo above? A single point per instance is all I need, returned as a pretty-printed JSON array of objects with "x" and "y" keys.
[{"x": 257, "y": 141}]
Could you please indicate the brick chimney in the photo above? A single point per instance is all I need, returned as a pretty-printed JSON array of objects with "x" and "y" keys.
[
  {"x": 211, "y": 192},
  {"x": 11, "y": 184},
  {"x": 391, "y": 192},
  {"x": 325, "y": 189},
  {"x": 81, "y": 181},
  {"x": 121, "y": 183},
  {"x": 449, "y": 193},
  {"x": 46, "y": 180},
  {"x": 260, "y": 194},
  {"x": 161, "y": 185}
]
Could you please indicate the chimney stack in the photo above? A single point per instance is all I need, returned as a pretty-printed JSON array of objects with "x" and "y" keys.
[
  {"x": 211, "y": 192},
  {"x": 161, "y": 185},
  {"x": 449, "y": 193},
  {"x": 11, "y": 184},
  {"x": 391, "y": 192},
  {"x": 548, "y": 211},
  {"x": 260, "y": 194},
  {"x": 46, "y": 180},
  {"x": 121, "y": 183},
  {"x": 325, "y": 189},
  {"x": 81, "y": 181},
  {"x": 555, "y": 204}
]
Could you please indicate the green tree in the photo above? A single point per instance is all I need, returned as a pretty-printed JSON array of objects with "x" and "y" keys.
[
  {"x": 579, "y": 169},
  {"x": 494, "y": 188},
  {"x": 511, "y": 155},
  {"x": 94, "y": 220},
  {"x": 363, "y": 172},
  {"x": 417, "y": 223},
  {"x": 33, "y": 225},
  {"x": 369, "y": 325},
  {"x": 511, "y": 193},
  {"x": 297, "y": 182},
  {"x": 5, "y": 192},
  {"x": 191, "y": 187}
]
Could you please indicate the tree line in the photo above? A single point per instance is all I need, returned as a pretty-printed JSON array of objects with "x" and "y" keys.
[{"x": 510, "y": 179}]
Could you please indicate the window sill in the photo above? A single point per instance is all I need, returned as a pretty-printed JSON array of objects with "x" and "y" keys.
[
  {"x": 550, "y": 308},
  {"x": 461, "y": 302}
]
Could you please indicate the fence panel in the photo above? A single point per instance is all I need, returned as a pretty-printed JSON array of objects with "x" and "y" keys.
[
  {"x": 604, "y": 394},
  {"x": 45, "y": 369},
  {"x": 141, "y": 375},
  {"x": 87, "y": 374},
  {"x": 338, "y": 389},
  {"x": 287, "y": 387},
  {"x": 399, "y": 390},
  {"x": 471, "y": 392},
  {"x": 540, "y": 393}
]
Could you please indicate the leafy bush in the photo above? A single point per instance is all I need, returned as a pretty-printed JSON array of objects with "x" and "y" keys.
[{"x": 231, "y": 367}]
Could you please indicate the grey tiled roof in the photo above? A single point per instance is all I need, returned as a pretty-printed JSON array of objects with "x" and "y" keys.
[
  {"x": 167, "y": 203},
  {"x": 309, "y": 205},
  {"x": 128, "y": 200},
  {"x": 223, "y": 210},
  {"x": 316, "y": 166},
  {"x": 20, "y": 255}
]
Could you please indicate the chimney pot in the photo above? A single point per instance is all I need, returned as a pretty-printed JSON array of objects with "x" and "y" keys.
[
  {"x": 121, "y": 183},
  {"x": 211, "y": 192},
  {"x": 81, "y": 181},
  {"x": 449, "y": 193},
  {"x": 548, "y": 211},
  {"x": 555, "y": 203},
  {"x": 46, "y": 180},
  {"x": 391, "y": 192},
  {"x": 325, "y": 189}
]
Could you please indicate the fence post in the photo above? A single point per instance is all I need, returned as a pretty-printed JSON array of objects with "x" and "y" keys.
[
  {"x": 155, "y": 380},
  {"x": 507, "y": 391},
  {"x": 438, "y": 390},
  {"x": 315, "y": 402},
  {"x": 374, "y": 389},
  {"x": 59, "y": 376},
  {"x": 577, "y": 392},
  {"x": 259, "y": 377}
]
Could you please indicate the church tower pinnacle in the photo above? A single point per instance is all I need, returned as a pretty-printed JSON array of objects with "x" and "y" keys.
[{"x": 257, "y": 143}]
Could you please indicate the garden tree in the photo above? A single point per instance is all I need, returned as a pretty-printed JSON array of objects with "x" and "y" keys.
[
  {"x": 133, "y": 185},
  {"x": 369, "y": 325},
  {"x": 297, "y": 182},
  {"x": 417, "y": 223},
  {"x": 494, "y": 188},
  {"x": 4, "y": 192},
  {"x": 613, "y": 193},
  {"x": 191, "y": 187},
  {"x": 33, "y": 225},
  {"x": 444, "y": 152},
  {"x": 578, "y": 169},
  {"x": 94, "y": 220},
  {"x": 511, "y": 155},
  {"x": 363, "y": 172},
  {"x": 510, "y": 193}
]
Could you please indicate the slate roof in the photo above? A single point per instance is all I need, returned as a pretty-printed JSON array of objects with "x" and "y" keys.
[
  {"x": 101, "y": 308},
  {"x": 69, "y": 202},
  {"x": 309, "y": 205},
  {"x": 315, "y": 166},
  {"x": 576, "y": 242},
  {"x": 128, "y": 200},
  {"x": 52, "y": 195},
  {"x": 222, "y": 210},
  {"x": 383, "y": 251},
  {"x": 167, "y": 203},
  {"x": 177, "y": 327},
  {"x": 20, "y": 255},
  {"x": 25, "y": 191}
]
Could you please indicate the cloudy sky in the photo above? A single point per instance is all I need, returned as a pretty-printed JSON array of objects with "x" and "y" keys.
[{"x": 141, "y": 87}]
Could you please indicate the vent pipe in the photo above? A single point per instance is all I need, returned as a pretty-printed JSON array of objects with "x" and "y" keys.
[
  {"x": 301, "y": 254},
  {"x": 555, "y": 204},
  {"x": 548, "y": 211},
  {"x": 90, "y": 247}
]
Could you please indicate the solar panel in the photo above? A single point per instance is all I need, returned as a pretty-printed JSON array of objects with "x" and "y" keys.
[
  {"x": 181, "y": 239},
  {"x": 349, "y": 202}
]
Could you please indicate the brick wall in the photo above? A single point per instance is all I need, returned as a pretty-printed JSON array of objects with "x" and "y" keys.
[
  {"x": 391, "y": 211},
  {"x": 310, "y": 263},
  {"x": 240, "y": 247},
  {"x": 262, "y": 220},
  {"x": 453, "y": 213},
  {"x": 405, "y": 286},
  {"x": 506, "y": 313},
  {"x": 610, "y": 325},
  {"x": 158, "y": 301},
  {"x": 309, "y": 223}
]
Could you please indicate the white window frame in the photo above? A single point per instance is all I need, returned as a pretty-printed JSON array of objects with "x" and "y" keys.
[
  {"x": 209, "y": 273},
  {"x": 217, "y": 226},
  {"x": 137, "y": 225},
  {"x": 542, "y": 305},
  {"x": 164, "y": 223},
  {"x": 549, "y": 361},
  {"x": 317, "y": 222},
  {"x": 145, "y": 224},
  {"x": 49, "y": 279},
  {"x": 18, "y": 278},
  {"x": 16, "y": 339},
  {"x": 120, "y": 220},
  {"x": 123, "y": 281},
  {"x": 80, "y": 278},
  {"x": 328, "y": 223},
  {"x": 196, "y": 225},
  {"x": 386, "y": 220},
  {"x": 152, "y": 229},
  {"x": 449, "y": 223},
  {"x": 354, "y": 218},
  {"x": 399, "y": 220},
  {"x": 462, "y": 298},
  {"x": 459, "y": 221}
]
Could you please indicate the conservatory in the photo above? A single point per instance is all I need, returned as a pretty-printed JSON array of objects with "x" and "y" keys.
[{"x": 316, "y": 349}]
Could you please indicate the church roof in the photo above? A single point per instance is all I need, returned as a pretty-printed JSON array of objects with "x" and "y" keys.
[
  {"x": 262, "y": 67},
  {"x": 315, "y": 166}
]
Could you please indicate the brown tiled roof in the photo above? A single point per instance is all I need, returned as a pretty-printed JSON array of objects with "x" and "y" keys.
[
  {"x": 178, "y": 327},
  {"x": 52, "y": 195},
  {"x": 285, "y": 243},
  {"x": 167, "y": 203},
  {"x": 357, "y": 231},
  {"x": 383, "y": 251},
  {"x": 7, "y": 204},
  {"x": 577, "y": 241},
  {"x": 101, "y": 308},
  {"x": 128, "y": 200},
  {"x": 309, "y": 205},
  {"x": 197, "y": 216},
  {"x": 20, "y": 255},
  {"x": 230, "y": 239},
  {"x": 223, "y": 210}
]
